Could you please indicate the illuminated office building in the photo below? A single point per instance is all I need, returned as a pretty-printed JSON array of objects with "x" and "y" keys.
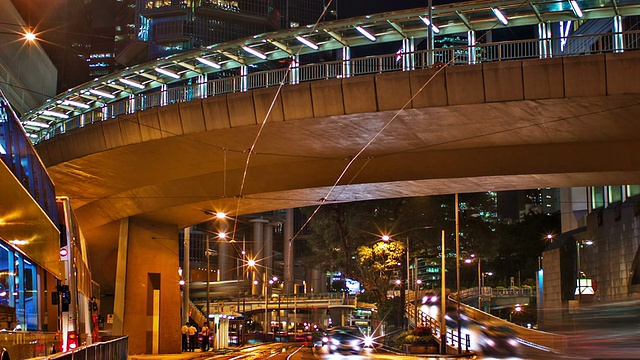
[{"x": 150, "y": 29}]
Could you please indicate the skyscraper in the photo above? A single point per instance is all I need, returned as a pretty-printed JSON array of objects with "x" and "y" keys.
[{"x": 150, "y": 29}]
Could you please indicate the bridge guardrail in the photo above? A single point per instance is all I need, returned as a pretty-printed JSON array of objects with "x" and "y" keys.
[
  {"x": 116, "y": 348},
  {"x": 490, "y": 52}
]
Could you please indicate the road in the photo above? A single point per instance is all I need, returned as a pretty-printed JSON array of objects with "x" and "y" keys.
[{"x": 301, "y": 351}]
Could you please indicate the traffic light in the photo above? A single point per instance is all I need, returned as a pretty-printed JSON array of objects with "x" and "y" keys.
[{"x": 66, "y": 297}]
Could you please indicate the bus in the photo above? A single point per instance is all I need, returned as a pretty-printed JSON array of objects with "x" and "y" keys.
[{"x": 77, "y": 295}]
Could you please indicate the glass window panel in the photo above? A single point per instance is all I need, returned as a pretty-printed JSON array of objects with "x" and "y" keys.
[
  {"x": 5, "y": 279},
  {"x": 633, "y": 190},
  {"x": 30, "y": 296},
  {"x": 597, "y": 196},
  {"x": 615, "y": 194}
]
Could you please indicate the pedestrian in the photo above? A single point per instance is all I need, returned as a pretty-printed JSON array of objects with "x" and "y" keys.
[
  {"x": 193, "y": 338},
  {"x": 204, "y": 345},
  {"x": 185, "y": 335}
]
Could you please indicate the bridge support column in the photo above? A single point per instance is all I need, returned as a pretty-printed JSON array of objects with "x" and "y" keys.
[
  {"x": 408, "y": 56},
  {"x": 288, "y": 252},
  {"x": 430, "y": 42},
  {"x": 618, "y": 42},
  {"x": 346, "y": 62},
  {"x": 147, "y": 270},
  {"x": 164, "y": 96},
  {"x": 244, "y": 81},
  {"x": 544, "y": 40},
  {"x": 224, "y": 265},
  {"x": 471, "y": 46},
  {"x": 186, "y": 273},
  {"x": 202, "y": 87},
  {"x": 258, "y": 255},
  {"x": 268, "y": 250},
  {"x": 295, "y": 69},
  {"x": 314, "y": 280}
]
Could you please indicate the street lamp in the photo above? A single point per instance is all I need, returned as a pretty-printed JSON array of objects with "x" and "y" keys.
[
  {"x": 209, "y": 253},
  {"x": 469, "y": 261},
  {"x": 415, "y": 302},
  {"x": 517, "y": 309}
]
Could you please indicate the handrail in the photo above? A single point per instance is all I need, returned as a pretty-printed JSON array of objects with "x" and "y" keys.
[{"x": 491, "y": 52}]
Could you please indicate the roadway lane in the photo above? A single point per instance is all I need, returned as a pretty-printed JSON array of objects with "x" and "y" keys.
[{"x": 302, "y": 351}]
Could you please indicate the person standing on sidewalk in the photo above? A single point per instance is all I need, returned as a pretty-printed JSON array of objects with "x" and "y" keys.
[
  {"x": 204, "y": 345},
  {"x": 193, "y": 338},
  {"x": 185, "y": 335}
]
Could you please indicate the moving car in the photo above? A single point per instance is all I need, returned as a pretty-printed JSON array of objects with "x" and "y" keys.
[
  {"x": 499, "y": 340},
  {"x": 345, "y": 340}
]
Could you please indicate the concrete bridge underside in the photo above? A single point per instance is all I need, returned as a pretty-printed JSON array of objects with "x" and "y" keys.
[
  {"x": 557, "y": 122},
  {"x": 497, "y": 126}
]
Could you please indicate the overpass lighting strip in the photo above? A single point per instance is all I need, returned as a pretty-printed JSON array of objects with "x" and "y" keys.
[
  {"x": 576, "y": 8},
  {"x": 254, "y": 52},
  {"x": 167, "y": 73},
  {"x": 309, "y": 43},
  {"x": 132, "y": 83},
  {"x": 36, "y": 124},
  {"x": 209, "y": 63},
  {"x": 428, "y": 23},
  {"x": 76, "y": 104},
  {"x": 55, "y": 114},
  {"x": 102, "y": 93},
  {"x": 500, "y": 16},
  {"x": 365, "y": 33}
]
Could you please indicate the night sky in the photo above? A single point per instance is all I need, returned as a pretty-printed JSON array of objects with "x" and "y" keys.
[{"x": 350, "y": 8}]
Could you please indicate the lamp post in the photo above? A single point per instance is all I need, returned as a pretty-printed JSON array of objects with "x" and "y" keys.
[
  {"x": 457, "y": 209},
  {"x": 443, "y": 297},
  {"x": 479, "y": 261},
  {"x": 415, "y": 302},
  {"x": 386, "y": 238}
]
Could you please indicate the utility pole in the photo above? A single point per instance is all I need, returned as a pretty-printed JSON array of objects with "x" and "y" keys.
[
  {"x": 457, "y": 207},
  {"x": 443, "y": 297}
]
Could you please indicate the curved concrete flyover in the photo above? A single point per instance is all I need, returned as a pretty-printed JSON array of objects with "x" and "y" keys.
[
  {"x": 510, "y": 125},
  {"x": 496, "y": 126}
]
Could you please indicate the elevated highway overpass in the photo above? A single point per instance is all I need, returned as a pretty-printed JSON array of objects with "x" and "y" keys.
[{"x": 141, "y": 163}]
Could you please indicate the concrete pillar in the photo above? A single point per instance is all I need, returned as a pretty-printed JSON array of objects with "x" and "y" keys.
[
  {"x": 186, "y": 273},
  {"x": 257, "y": 254},
  {"x": 268, "y": 249},
  {"x": 225, "y": 260},
  {"x": 152, "y": 297},
  {"x": 314, "y": 280},
  {"x": 288, "y": 252},
  {"x": 121, "y": 276},
  {"x": 408, "y": 56}
]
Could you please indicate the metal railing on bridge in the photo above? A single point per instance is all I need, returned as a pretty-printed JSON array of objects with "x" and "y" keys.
[
  {"x": 116, "y": 348},
  {"x": 488, "y": 52}
]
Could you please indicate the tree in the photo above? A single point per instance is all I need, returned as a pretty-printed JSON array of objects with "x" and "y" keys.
[{"x": 377, "y": 263}]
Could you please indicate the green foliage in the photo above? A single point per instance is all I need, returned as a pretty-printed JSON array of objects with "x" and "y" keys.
[
  {"x": 421, "y": 335},
  {"x": 389, "y": 312}
]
